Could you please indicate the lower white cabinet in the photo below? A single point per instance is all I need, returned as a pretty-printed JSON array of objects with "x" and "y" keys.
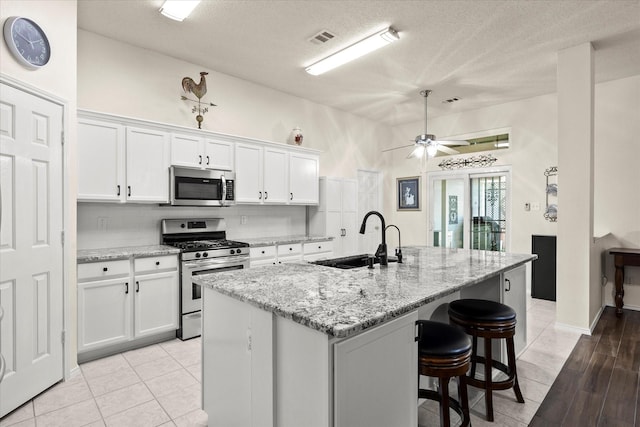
[
  {"x": 514, "y": 295},
  {"x": 313, "y": 251},
  {"x": 263, "y": 255},
  {"x": 290, "y": 252},
  {"x": 118, "y": 303}
]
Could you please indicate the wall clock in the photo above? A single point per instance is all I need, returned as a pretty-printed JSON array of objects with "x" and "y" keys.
[{"x": 27, "y": 42}]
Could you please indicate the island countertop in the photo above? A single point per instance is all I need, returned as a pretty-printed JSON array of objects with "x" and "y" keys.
[{"x": 342, "y": 303}]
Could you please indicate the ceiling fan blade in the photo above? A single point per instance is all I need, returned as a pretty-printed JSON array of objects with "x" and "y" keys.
[
  {"x": 452, "y": 142},
  {"x": 447, "y": 150},
  {"x": 417, "y": 152},
  {"x": 397, "y": 148}
]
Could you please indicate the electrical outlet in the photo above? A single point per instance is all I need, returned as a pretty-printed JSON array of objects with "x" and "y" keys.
[
  {"x": 535, "y": 206},
  {"x": 243, "y": 219},
  {"x": 102, "y": 224}
]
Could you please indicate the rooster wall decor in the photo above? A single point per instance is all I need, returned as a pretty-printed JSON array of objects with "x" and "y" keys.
[{"x": 199, "y": 90}]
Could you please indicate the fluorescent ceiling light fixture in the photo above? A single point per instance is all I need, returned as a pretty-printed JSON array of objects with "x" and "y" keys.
[
  {"x": 371, "y": 43},
  {"x": 178, "y": 9}
]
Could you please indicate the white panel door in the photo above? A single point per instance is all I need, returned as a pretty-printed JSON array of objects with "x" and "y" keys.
[
  {"x": 147, "y": 165},
  {"x": 31, "y": 251},
  {"x": 249, "y": 170},
  {"x": 276, "y": 176},
  {"x": 100, "y": 161}
]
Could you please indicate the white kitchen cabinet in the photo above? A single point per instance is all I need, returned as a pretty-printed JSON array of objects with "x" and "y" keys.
[
  {"x": 104, "y": 304},
  {"x": 261, "y": 174},
  {"x": 156, "y": 297},
  {"x": 263, "y": 255},
  {"x": 514, "y": 288},
  {"x": 313, "y": 251},
  {"x": 291, "y": 252},
  {"x": 303, "y": 178},
  {"x": 118, "y": 163},
  {"x": 101, "y": 166},
  {"x": 336, "y": 214},
  {"x": 201, "y": 152},
  {"x": 126, "y": 300}
]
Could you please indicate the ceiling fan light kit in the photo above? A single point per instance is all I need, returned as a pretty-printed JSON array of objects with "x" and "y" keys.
[{"x": 356, "y": 50}]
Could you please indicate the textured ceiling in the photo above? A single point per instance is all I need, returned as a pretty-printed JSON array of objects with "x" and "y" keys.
[{"x": 483, "y": 52}]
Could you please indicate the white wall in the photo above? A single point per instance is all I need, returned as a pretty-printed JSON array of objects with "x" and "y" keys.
[{"x": 58, "y": 78}]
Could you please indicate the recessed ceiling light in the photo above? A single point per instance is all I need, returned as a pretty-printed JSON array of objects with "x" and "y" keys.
[{"x": 178, "y": 9}]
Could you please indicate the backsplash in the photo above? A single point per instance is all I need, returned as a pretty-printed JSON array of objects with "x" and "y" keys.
[{"x": 105, "y": 225}]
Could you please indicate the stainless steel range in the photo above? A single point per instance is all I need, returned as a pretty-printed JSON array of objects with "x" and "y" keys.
[{"x": 205, "y": 249}]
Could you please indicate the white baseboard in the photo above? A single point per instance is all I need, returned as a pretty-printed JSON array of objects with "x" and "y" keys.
[
  {"x": 585, "y": 331},
  {"x": 626, "y": 307}
]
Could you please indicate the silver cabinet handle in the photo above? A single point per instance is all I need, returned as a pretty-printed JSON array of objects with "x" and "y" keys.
[{"x": 508, "y": 285}]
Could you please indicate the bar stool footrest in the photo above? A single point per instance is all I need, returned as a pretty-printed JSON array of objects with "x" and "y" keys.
[{"x": 453, "y": 403}]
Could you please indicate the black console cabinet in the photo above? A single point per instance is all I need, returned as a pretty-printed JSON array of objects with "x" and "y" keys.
[{"x": 543, "y": 277}]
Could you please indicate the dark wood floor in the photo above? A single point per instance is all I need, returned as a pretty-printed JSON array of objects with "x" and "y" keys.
[{"x": 598, "y": 384}]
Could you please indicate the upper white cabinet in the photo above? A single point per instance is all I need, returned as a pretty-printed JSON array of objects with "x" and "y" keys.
[
  {"x": 303, "y": 178},
  {"x": 200, "y": 152},
  {"x": 336, "y": 215},
  {"x": 118, "y": 163},
  {"x": 273, "y": 175},
  {"x": 261, "y": 174},
  {"x": 101, "y": 163}
]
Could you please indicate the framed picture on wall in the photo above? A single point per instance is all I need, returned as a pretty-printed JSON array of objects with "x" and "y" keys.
[{"x": 408, "y": 193}]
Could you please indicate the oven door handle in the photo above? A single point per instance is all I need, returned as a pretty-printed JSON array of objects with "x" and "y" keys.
[{"x": 213, "y": 263}]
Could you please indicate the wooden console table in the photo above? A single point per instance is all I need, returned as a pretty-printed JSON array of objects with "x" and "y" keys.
[{"x": 622, "y": 257}]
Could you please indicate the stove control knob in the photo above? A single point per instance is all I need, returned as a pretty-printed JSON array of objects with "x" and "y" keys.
[
  {"x": 238, "y": 251},
  {"x": 197, "y": 254},
  {"x": 232, "y": 252},
  {"x": 205, "y": 254}
]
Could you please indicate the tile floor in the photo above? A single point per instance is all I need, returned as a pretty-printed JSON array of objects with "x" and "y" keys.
[{"x": 159, "y": 385}]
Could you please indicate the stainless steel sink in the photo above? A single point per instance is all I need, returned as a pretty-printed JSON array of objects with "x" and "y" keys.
[{"x": 353, "y": 261}]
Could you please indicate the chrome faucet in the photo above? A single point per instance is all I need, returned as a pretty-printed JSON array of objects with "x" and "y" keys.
[
  {"x": 381, "y": 252},
  {"x": 399, "y": 248}
]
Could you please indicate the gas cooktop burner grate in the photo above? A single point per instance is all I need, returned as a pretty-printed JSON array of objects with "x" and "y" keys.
[{"x": 209, "y": 244}]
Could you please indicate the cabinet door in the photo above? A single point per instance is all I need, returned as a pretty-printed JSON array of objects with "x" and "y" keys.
[
  {"x": 156, "y": 303},
  {"x": 147, "y": 165},
  {"x": 248, "y": 173},
  {"x": 218, "y": 154},
  {"x": 276, "y": 176},
  {"x": 514, "y": 295},
  {"x": 186, "y": 150},
  {"x": 303, "y": 179},
  {"x": 100, "y": 161},
  {"x": 391, "y": 352},
  {"x": 104, "y": 313}
]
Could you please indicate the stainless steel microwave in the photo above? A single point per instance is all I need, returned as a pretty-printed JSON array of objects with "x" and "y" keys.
[{"x": 201, "y": 187}]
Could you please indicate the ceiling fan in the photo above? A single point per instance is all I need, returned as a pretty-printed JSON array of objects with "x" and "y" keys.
[{"x": 427, "y": 143}]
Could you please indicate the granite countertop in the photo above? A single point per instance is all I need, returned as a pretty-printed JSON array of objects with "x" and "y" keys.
[
  {"x": 91, "y": 255},
  {"x": 342, "y": 303},
  {"x": 284, "y": 240}
]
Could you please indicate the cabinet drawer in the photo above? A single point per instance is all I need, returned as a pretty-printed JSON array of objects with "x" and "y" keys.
[
  {"x": 317, "y": 247},
  {"x": 262, "y": 252},
  {"x": 155, "y": 263},
  {"x": 103, "y": 269},
  {"x": 286, "y": 250}
]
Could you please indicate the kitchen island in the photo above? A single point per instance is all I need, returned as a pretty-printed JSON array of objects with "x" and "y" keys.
[{"x": 308, "y": 345}]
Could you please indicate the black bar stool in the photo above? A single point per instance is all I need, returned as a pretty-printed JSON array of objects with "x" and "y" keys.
[
  {"x": 488, "y": 320},
  {"x": 444, "y": 352}
]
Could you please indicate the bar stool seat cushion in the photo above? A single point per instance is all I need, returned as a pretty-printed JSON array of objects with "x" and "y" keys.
[
  {"x": 481, "y": 310},
  {"x": 439, "y": 339}
]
